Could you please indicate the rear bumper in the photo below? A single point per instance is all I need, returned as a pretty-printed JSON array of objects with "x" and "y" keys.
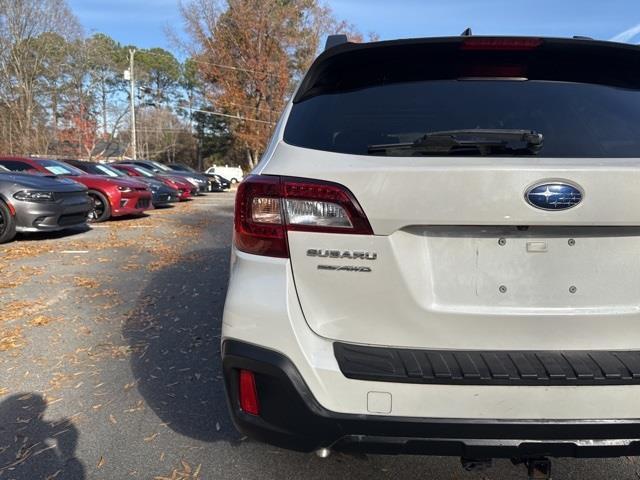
[{"x": 291, "y": 417}]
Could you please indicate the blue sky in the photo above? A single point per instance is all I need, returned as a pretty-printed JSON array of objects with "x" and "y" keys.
[{"x": 143, "y": 22}]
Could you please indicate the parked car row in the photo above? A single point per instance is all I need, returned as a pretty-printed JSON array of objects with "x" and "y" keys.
[{"x": 49, "y": 195}]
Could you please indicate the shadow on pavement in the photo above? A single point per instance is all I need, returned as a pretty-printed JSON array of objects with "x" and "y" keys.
[
  {"x": 67, "y": 233},
  {"x": 128, "y": 218},
  {"x": 33, "y": 448},
  {"x": 174, "y": 334}
]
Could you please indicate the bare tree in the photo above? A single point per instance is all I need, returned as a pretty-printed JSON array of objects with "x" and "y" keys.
[
  {"x": 163, "y": 135},
  {"x": 250, "y": 52},
  {"x": 26, "y": 29}
]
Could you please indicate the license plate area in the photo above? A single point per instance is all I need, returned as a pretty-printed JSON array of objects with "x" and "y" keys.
[{"x": 541, "y": 268}]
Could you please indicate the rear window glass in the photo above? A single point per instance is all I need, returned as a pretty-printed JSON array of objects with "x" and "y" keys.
[{"x": 576, "y": 119}]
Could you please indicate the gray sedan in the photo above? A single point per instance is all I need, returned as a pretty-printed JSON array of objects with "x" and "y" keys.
[{"x": 31, "y": 203}]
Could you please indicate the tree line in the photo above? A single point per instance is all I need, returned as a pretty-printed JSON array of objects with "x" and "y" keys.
[{"x": 64, "y": 94}]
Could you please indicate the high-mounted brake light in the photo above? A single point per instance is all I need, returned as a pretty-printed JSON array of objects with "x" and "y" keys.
[
  {"x": 269, "y": 206},
  {"x": 500, "y": 43},
  {"x": 248, "y": 393}
]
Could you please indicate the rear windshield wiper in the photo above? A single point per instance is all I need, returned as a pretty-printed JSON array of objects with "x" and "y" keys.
[{"x": 468, "y": 142}]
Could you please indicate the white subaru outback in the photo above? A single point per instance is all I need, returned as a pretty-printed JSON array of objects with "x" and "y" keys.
[{"x": 440, "y": 254}]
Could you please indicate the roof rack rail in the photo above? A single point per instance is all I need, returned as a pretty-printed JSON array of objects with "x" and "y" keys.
[
  {"x": 582, "y": 37},
  {"x": 335, "y": 40},
  {"x": 467, "y": 32}
]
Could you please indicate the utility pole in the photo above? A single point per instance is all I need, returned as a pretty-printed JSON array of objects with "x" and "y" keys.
[{"x": 134, "y": 141}]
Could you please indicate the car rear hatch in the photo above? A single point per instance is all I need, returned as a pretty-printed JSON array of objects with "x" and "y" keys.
[{"x": 469, "y": 250}]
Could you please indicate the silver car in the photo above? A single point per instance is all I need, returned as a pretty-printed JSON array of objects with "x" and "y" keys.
[{"x": 31, "y": 203}]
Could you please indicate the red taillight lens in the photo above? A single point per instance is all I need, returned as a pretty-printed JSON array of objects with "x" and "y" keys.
[
  {"x": 248, "y": 393},
  {"x": 253, "y": 233},
  {"x": 269, "y": 206},
  {"x": 500, "y": 43}
]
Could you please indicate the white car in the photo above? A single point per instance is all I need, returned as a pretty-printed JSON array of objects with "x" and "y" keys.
[
  {"x": 233, "y": 174},
  {"x": 440, "y": 254}
]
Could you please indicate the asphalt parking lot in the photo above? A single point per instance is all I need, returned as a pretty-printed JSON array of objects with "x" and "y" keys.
[{"x": 109, "y": 353}]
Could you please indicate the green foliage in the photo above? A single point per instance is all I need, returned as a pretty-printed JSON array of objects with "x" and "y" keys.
[
  {"x": 161, "y": 71},
  {"x": 213, "y": 134}
]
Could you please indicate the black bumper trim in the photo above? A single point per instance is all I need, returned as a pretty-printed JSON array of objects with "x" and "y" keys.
[
  {"x": 290, "y": 417},
  {"x": 450, "y": 367}
]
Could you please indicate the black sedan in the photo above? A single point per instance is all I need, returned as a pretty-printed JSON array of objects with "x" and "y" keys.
[
  {"x": 162, "y": 195},
  {"x": 32, "y": 203},
  {"x": 218, "y": 183}
]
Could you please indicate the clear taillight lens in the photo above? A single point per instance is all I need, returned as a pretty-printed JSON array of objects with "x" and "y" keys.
[
  {"x": 314, "y": 213},
  {"x": 266, "y": 210},
  {"x": 269, "y": 206}
]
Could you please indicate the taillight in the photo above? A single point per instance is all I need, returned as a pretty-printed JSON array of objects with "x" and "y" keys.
[
  {"x": 500, "y": 43},
  {"x": 269, "y": 206},
  {"x": 248, "y": 393}
]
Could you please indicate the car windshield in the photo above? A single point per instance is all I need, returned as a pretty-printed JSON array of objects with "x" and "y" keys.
[
  {"x": 144, "y": 172},
  {"x": 576, "y": 119},
  {"x": 183, "y": 168},
  {"x": 160, "y": 166},
  {"x": 59, "y": 168},
  {"x": 108, "y": 171}
]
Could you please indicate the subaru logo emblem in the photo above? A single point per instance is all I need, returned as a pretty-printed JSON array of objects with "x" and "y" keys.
[{"x": 553, "y": 196}]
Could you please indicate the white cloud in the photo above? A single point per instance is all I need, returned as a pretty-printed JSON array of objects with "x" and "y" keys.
[{"x": 627, "y": 35}]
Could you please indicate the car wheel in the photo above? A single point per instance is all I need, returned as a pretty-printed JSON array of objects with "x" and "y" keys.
[
  {"x": 100, "y": 210},
  {"x": 7, "y": 224},
  {"x": 234, "y": 180}
]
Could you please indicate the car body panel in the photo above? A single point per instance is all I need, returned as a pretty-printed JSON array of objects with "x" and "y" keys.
[
  {"x": 162, "y": 195},
  {"x": 196, "y": 179},
  {"x": 132, "y": 202},
  {"x": 460, "y": 260},
  {"x": 440, "y": 264},
  {"x": 69, "y": 208},
  {"x": 273, "y": 319},
  {"x": 218, "y": 183},
  {"x": 186, "y": 189},
  {"x": 233, "y": 174}
]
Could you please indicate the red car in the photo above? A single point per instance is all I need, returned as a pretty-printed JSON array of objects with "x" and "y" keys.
[
  {"x": 186, "y": 189},
  {"x": 112, "y": 197}
]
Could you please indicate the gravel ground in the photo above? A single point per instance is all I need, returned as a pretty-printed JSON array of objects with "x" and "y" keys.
[{"x": 109, "y": 353}]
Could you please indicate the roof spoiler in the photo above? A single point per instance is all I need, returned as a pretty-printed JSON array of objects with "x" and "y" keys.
[{"x": 335, "y": 40}]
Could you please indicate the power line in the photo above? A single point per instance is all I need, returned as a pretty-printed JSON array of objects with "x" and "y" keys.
[
  {"x": 219, "y": 65},
  {"x": 220, "y": 114},
  {"x": 164, "y": 129},
  {"x": 249, "y": 107}
]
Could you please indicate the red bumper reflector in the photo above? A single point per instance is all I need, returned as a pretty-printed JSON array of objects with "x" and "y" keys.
[{"x": 248, "y": 393}]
